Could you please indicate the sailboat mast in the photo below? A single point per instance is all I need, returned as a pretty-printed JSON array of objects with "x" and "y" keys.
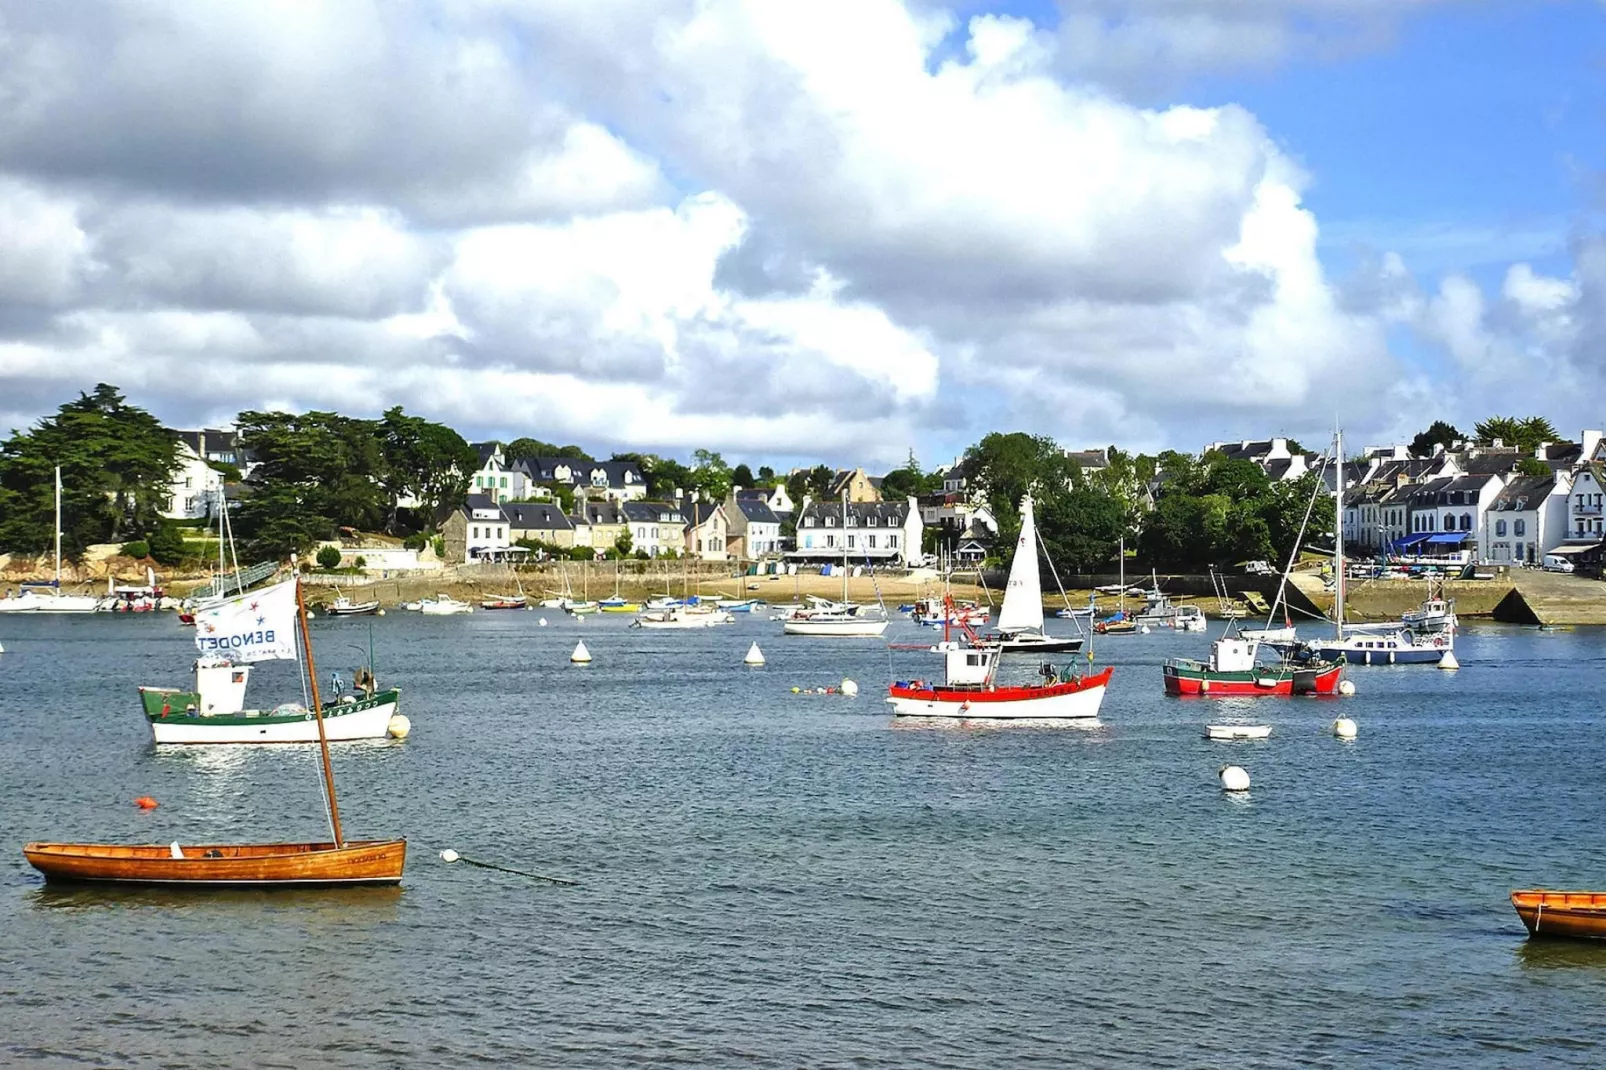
[
  {"x": 1338, "y": 539},
  {"x": 58, "y": 527},
  {"x": 317, "y": 713},
  {"x": 844, "y": 545}
]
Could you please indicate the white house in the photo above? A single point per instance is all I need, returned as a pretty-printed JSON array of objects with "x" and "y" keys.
[
  {"x": 1586, "y": 512},
  {"x": 197, "y": 487},
  {"x": 495, "y": 478},
  {"x": 775, "y": 497},
  {"x": 1527, "y": 519},
  {"x": 755, "y": 530},
  {"x": 478, "y": 531},
  {"x": 877, "y": 532},
  {"x": 1272, "y": 455},
  {"x": 618, "y": 481},
  {"x": 656, "y": 528}
]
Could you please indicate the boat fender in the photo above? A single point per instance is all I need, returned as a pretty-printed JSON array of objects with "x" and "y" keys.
[{"x": 145, "y": 802}]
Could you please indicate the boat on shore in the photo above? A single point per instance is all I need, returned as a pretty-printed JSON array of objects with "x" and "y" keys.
[
  {"x": 345, "y": 607},
  {"x": 270, "y": 865},
  {"x": 1576, "y": 915}
]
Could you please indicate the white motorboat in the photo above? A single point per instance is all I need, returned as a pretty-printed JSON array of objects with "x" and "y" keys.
[
  {"x": 345, "y": 607},
  {"x": 443, "y": 605},
  {"x": 1237, "y": 731},
  {"x": 682, "y": 618},
  {"x": 1188, "y": 619}
]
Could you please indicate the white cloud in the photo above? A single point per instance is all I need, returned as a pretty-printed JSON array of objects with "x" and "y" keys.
[{"x": 45, "y": 255}]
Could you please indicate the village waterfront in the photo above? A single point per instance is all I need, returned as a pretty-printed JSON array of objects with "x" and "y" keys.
[{"x": 780, "y": 879}]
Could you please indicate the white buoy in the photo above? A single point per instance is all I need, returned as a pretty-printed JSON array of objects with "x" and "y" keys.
[
  {"x": 1233, "y": 778},
  {"x": 849, "y": 688},
  {"x": 381, "y": 613},
  {"x": 449, "y": 856},
  {"x": 1144, "y": 630},
  {"x": 1448, "y": 661},
  {"x": 311, "y": 614},
  {"x": 398, "y": 726},
  {"x": 755, "y": 656},
  {"x": 581, "y": 655},
  {"x": 543, "y": 622},
  {"x": 1346, "y": 688},
  {"x": 1344, "y": 728}
]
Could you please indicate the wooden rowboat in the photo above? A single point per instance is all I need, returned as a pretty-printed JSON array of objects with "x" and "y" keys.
[
  {"x": 1581, "y": 915},
  {"x": 299, "y": 865}
]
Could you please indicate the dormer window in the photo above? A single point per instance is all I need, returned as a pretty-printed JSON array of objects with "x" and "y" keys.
[
  {"x": 830, "y": 521},
  {"x": 808, "y": 521},
  {"x": 873, "y": 521}
]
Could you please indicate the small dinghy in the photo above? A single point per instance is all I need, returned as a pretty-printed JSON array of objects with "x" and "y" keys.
[
  {"x": 1578, "y": 915},
  {"x": 1237, "y": 731}
]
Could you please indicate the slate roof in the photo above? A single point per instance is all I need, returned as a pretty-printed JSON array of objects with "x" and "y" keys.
[
  {"x": 603, "y": 512},
  {"x": 485, "y": 450},
  {"x": 1276, "y": 469},
  {"x": 1490, "y": 462},
  {"x": 480, "y": 501},
  {"x": 537, "y": 516},
  {"x": 653, "y": 512},
  {"x": 756, "y": 510},
  {"x": 542, "y": 470},
  {"x": 699, "y": 513},
  {"x": 1426, "y": 495},
  {"x": 1525, "y": 493},
  {"x": 1089, "y": 458},
  {"x": 889, "y": 514}
]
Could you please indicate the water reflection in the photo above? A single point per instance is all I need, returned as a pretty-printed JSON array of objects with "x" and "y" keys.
[
  {"x": 348, "y": 908},
  {"x": 1554, "y": 952}
]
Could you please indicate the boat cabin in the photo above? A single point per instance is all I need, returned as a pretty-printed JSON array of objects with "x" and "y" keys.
[
  {"x": 1233, "y": 654},
  {"x": 220, "y": 685},
  {"x": 969, "y": 666}
]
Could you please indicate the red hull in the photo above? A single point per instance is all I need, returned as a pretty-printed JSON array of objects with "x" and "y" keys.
[
  {"x": 1239, "y": 685},
  {"x": 975, "y": 696}
]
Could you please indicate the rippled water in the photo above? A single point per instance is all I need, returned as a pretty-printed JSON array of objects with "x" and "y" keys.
[{"x": 788, "y": 880}]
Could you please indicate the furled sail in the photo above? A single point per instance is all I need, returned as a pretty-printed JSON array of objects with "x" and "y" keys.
[
  {"x": 255, "y": 626},
  {"x": 1023, "y": 597}
]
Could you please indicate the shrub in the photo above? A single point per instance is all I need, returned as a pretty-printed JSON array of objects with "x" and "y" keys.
[
  {"x": 329, "y": 557},
  {"x": 582, "y": 553},
  {"x": 167, "y": 544},
  {"x": 139, "y": 548},
  {"x": 439, "y": 545},
  {"x": 416, "y": 541},
  {"x": 361, "y": 562}
]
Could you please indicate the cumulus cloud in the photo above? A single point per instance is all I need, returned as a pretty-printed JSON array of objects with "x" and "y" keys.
[{"x": 835, "y": 229}]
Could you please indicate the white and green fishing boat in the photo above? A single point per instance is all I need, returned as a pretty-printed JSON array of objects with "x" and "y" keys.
[{"x": 259, "y": 626}]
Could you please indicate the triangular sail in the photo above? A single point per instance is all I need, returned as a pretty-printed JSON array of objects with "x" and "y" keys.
[
  {"x": 1023, "y": 597},
  {"x": 259, "y": 626}
]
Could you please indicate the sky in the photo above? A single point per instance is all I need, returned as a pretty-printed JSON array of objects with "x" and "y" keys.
[{"x": 840, "y": 231}]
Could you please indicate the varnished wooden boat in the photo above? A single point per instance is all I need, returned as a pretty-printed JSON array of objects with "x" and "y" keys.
[
  {"x": 298, "y": 865},
  {"x": 1580, "y": 915}
]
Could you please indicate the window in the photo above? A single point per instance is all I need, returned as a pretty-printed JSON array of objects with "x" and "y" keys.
[
  {"x": 850, "y": 542},
  {"x": 892, "y": 542},
  {"x": 1466, "y": 521},
  {"x": 1519, "y": 528},
  {"x": 476, "y": 531},
  {"x": 501, "y": 532},
  {"x": 830, "y": 521},
  {"x": 479, "y": 481},
  {"x": 873, "y": 521},
  {"x": 871, "y": 542},
  {"x": 830, "y": 541},
  {"x": 1499, "y": 527},
  {"x": 808, "y": 521},
  {"x": 504, "y": 482}
]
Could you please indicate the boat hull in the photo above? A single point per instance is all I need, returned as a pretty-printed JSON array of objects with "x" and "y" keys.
[
  {"x": 1045, "y": 644},
  {"x": 273, "y": 865},
  {"x": 1186, "y": 677},
  {"x": 342, "y": 721},
  {"x": 1576, "y": 915},
  {"x": 1409, "y": 655},
  {"x": 846, "y": 629},
  {"x": 361, "y": 610},
  {"x": 1069, "y": 701}
]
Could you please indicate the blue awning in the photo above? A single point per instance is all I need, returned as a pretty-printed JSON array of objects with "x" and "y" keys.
[
  {"x": 1409, "y": 541},
  {"x": 1450, "y": 537}
]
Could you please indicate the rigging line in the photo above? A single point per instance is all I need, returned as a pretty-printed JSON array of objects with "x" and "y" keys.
[
  {"x": 1293, "y": 553},
  {"x": 1055, "y": 573}
]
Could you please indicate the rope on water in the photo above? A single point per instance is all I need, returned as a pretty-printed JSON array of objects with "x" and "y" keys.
[{"x": 449, "y": 856}]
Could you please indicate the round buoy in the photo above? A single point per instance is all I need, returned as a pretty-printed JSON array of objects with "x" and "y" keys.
[
  {"x": 381, "y": 613},
  {"x": 542, "y": 622},
  {"x": 1143, "y": 630},
  {"x": 449, "y": 856},
  {"x": 1344, "y": 728},
  {"x": 581, "y": 655},
  {"x": 1346, "y": 688},
  {"x": 1448, "y": 661},
  {"x": 755, "y": 656},
  {"x": 398, "y": 726},
  {"x": 797, "y": 690},
  {"x": 849, "y": 688},
  {"x": 1233, "y": 778},
  {"x": 311, "y": 614},
  {"x": 145, "y": 802}
]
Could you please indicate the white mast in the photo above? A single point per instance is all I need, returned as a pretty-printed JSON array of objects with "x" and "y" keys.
[
  {"x": 58, "y": 529},
  {"x": 1338, "y": 539},
  {"x": 844, "y": 545},
  {"x": 1023, "y": 594}
]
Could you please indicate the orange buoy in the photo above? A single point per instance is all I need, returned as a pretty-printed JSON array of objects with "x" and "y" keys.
[{"x": 145, "y": 802}]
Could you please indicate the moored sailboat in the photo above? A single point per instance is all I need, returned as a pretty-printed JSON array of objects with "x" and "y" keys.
[
  {"x": 1020, "y": 620},
  {"x": 277, "y": 865}
]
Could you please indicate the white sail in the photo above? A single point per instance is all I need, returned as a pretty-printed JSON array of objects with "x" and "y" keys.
[
  {"x": 1023, "y": 597},
  {"x": 257, "y": 626}
]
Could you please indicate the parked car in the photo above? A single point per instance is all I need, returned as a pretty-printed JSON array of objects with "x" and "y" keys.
[
  {"x": 1259, "y": 568},
  {"x": 1557, "y": 563}
]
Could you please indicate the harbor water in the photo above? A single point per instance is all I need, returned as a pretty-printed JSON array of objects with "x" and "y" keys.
[{"x": 771, "y": 879}]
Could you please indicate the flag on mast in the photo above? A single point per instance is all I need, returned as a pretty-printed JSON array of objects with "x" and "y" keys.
[{"x": 257, "y": 626}]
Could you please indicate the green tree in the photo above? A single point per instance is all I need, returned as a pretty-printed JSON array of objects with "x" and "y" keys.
[
  {"x": 1533, "y": 467},
  {"x": 117, "y": 464},
  {"x": 1005, "y": 467},
  {"x": 820, "y": 478},
  {"x": 1438, "y": 433},
  {"x": 1525, "y": 433},
  {"x": 328, "y": 557},
  {"x": 742, "y": 476},
  {"x": 623, "y": 544},
  {"x": 766, "y": 474},
  {"x": 711, "y": 475},
  {"x": 426, "y": 461},
  {"x": 317, "y": 472},
  {"x": 524, "y": 449},
  {"x": 902, "y": 482}
]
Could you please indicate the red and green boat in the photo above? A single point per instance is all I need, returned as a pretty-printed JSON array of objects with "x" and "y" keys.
[{"x": 1234, "y": 669}]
